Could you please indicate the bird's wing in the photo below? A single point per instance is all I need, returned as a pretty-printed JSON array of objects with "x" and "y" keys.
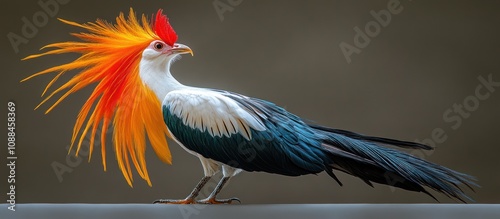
[
  {"x": 210, "y": 111},
  {"x": 243, "y": 132}
]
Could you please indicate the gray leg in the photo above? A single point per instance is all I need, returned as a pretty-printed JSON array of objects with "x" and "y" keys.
[
  {"x": 190, "y": 198},
  {"x": 211, "y": 199}
]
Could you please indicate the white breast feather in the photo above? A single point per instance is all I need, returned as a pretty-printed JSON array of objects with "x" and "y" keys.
[{"x": 212, "y": 112}]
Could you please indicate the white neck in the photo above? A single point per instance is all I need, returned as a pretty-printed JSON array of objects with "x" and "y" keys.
[{"x": 158, "y": 78}]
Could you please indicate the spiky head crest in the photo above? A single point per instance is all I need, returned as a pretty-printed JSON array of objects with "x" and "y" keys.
[
  {"x": 164, "y": 30},
  {"x": 110, "y": 56}
]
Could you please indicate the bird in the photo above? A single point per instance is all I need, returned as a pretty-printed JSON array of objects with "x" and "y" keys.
[{"x": 129, "y": 62}]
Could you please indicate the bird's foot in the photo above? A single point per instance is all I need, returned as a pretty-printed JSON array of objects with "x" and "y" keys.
[
  {"x": 174, "y": 201},
  {"x": 213, "y": 201}
]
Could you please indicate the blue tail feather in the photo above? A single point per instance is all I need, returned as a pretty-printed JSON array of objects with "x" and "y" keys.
[{"x": 373, "y": 162}]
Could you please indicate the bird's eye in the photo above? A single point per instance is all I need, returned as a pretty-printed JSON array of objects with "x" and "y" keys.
[{"x": 158, "y": 46}]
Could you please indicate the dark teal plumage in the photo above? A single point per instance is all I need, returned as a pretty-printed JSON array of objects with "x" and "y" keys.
[
  {"x": 283, "y": 148},
  {"x": 291, "y": 147}
]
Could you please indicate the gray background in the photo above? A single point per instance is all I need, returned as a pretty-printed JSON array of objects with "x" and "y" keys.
[{"x": 427, "y": 59}]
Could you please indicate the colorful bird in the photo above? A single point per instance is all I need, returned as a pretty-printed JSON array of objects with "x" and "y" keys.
[{"x": 130, "y": 61}]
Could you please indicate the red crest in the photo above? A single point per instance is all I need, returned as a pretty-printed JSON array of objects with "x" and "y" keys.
[{"x": 163, "y": 29}]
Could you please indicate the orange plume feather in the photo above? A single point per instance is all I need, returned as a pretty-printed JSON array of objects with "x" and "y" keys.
[{"x": 110, "y": 56}]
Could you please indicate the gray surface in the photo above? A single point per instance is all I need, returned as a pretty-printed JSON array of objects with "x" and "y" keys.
[
  {"x": 286, "y": 51},
  {"x": 302, "y": 211}
]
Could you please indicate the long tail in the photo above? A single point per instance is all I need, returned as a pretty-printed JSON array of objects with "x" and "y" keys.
[{"x": 365, "y": 157}]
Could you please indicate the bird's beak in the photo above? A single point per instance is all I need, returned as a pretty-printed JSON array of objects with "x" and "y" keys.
[{"x": 181, "y": 49}]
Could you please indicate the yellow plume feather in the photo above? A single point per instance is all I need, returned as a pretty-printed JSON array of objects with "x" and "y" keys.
[{"x": 110, "y": 56}]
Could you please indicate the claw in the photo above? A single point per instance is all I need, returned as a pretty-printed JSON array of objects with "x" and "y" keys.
[
  {"x": 174, "y": 201},
  {"x": 213, "y": 201}
]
